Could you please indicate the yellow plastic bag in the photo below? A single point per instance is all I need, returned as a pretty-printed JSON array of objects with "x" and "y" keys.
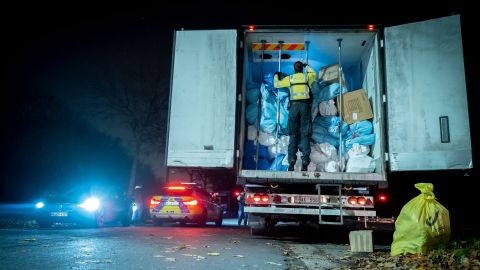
[{"x": 422, "y": 224}]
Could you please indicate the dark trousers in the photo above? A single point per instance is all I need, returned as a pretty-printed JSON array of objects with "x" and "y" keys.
[
  {"x": 242, "y": 215},
  {"x": 299, "y": 129}
]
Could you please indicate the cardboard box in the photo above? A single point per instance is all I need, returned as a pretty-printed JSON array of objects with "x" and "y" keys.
[
  {"x": 356, "y": 106},
  {"x": 329, "y": 74}
]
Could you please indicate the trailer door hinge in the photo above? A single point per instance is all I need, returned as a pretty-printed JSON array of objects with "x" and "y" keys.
[
  {"x": 238, "y": 153},
  {"x": 381, "y": 43},
  {"x": 241, "y": 44},
  {"x": 384, "y": 97},
  {"x": 386, "y": 156},
  {"x": 239, "y": 97}
]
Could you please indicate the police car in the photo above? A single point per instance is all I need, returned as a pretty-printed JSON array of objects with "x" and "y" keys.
[{"x": 184, "y": 203}]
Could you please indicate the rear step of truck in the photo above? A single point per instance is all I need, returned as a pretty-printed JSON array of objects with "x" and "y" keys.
[{"x": 330, "y": 205}]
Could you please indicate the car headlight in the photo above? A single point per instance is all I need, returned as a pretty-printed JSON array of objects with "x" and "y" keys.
[
  {"x": 39, "y": 205},
  {"x": 90, "y": 204}
]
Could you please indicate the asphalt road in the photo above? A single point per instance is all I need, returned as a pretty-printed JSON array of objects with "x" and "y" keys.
[{"x": 173, "y": 247}]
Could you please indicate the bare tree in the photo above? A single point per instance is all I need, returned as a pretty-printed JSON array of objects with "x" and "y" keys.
[{"x": 131, "y": 90}]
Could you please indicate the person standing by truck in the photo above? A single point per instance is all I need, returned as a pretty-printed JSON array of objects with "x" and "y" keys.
[
  {"x": 241, "y": 209},
  {"x": 299, "y": 126}
]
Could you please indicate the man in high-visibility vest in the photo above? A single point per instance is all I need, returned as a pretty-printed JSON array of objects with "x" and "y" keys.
[{"x": 299, "y": 124}]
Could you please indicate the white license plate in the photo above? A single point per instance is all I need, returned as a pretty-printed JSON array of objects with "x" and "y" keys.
[
  {"x": 171, "y": 203},
  {"x": 306, "y": 199},
  {"x": 59, "y": 214}
]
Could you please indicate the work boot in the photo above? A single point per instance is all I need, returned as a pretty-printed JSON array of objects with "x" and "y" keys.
[
  {"x": 291, "y": 167},
  {"x": 304, "y": 167}
]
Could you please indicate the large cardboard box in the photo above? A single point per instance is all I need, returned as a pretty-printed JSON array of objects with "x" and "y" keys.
[
  {"x": 356, "y": 106},
  {"x": 329, "y": 74}
]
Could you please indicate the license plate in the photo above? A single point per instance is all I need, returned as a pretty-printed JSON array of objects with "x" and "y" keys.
[
  {"x": 306, "y": 199},
  {"x": 59, "y": 214},
  {"x": 171, "y": 203}
]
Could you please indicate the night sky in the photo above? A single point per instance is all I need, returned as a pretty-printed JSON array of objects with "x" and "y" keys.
[{"x": 56, "y": 57}]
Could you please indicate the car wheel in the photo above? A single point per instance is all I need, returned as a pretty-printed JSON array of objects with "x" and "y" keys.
[
  {"x": 100, "y": 220},
  {"x": 203, "y": 219},
  {"x": 219, "y": 221},
  {"x": 126, "y": 218},
  {"x": 157, "y": 222}
]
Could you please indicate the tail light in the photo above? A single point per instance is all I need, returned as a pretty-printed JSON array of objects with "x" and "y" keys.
[
  {"x": 277, "y": 199},
  {"x": 257, "y": 199},
  {"x": 352, "y": 200},
  {"x": 153, "y": 201},
  {"x": 382, "y": 198},
  {"x": 236, "y": 193},
  {"x": 192, "y": 202},
  {"x": 179, "y": 188},
  {"x": 361, "y": 200}
]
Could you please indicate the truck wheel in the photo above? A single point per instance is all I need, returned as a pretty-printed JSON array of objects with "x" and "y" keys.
[{"x": 258, "y": 225}]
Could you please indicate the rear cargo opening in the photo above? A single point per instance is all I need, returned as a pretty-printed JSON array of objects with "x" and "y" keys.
[{"x": 361, "y": 64}]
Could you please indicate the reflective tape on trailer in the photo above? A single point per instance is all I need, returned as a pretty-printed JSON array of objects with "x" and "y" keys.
[{"x": 276, "y": 46}]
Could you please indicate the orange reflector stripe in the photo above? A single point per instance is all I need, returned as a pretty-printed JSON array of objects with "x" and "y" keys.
[{"x": 276, "y": 46}]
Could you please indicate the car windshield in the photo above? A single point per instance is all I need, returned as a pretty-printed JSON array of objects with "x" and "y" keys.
[{"x": 177, "y": 192}]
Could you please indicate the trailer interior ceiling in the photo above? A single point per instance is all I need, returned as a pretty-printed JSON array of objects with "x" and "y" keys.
[{"x": 323, "y": 50}]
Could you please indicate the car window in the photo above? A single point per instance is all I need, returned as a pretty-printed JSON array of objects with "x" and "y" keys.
[
  {"x": 175, "y": 192},
  {"x": 205, "y": 195}
]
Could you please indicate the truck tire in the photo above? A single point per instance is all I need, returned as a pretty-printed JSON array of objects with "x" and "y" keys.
[{"x": 258, "y": 225}]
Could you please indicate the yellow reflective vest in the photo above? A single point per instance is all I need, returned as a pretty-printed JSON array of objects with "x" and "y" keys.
[{"x": 299, "y": 84}]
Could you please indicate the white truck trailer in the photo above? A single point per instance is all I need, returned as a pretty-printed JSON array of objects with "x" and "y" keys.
[{"x": 413, "y": 76}]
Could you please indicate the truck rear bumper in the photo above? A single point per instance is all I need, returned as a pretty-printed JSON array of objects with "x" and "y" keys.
[{"x": 309, "y": 211}]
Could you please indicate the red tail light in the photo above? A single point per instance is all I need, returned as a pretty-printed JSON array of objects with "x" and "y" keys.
[
  {"x": 154, "y": 202},
  {"x": 352, "y": 200},
  {"x": 258, "y": 199},
  {"x": 277, "y": 199},
  {"x": 236, "y": 193},
  {"x": 251, "y": 28},
  {"x": 382, "y": 198},
  {"x": 176, "y": 188},
  {"x": 361, "y": 200},
  {"x": 192, "y": 202},
  {"x": 369, "y": 202}
]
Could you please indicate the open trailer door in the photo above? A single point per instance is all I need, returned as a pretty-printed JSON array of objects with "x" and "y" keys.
[
  {"x": 428, "y": 125},
  {"x": 201, "y": 125}
]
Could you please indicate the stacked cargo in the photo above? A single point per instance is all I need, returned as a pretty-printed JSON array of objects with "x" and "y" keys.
[{"x": 356, "y": 130}]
